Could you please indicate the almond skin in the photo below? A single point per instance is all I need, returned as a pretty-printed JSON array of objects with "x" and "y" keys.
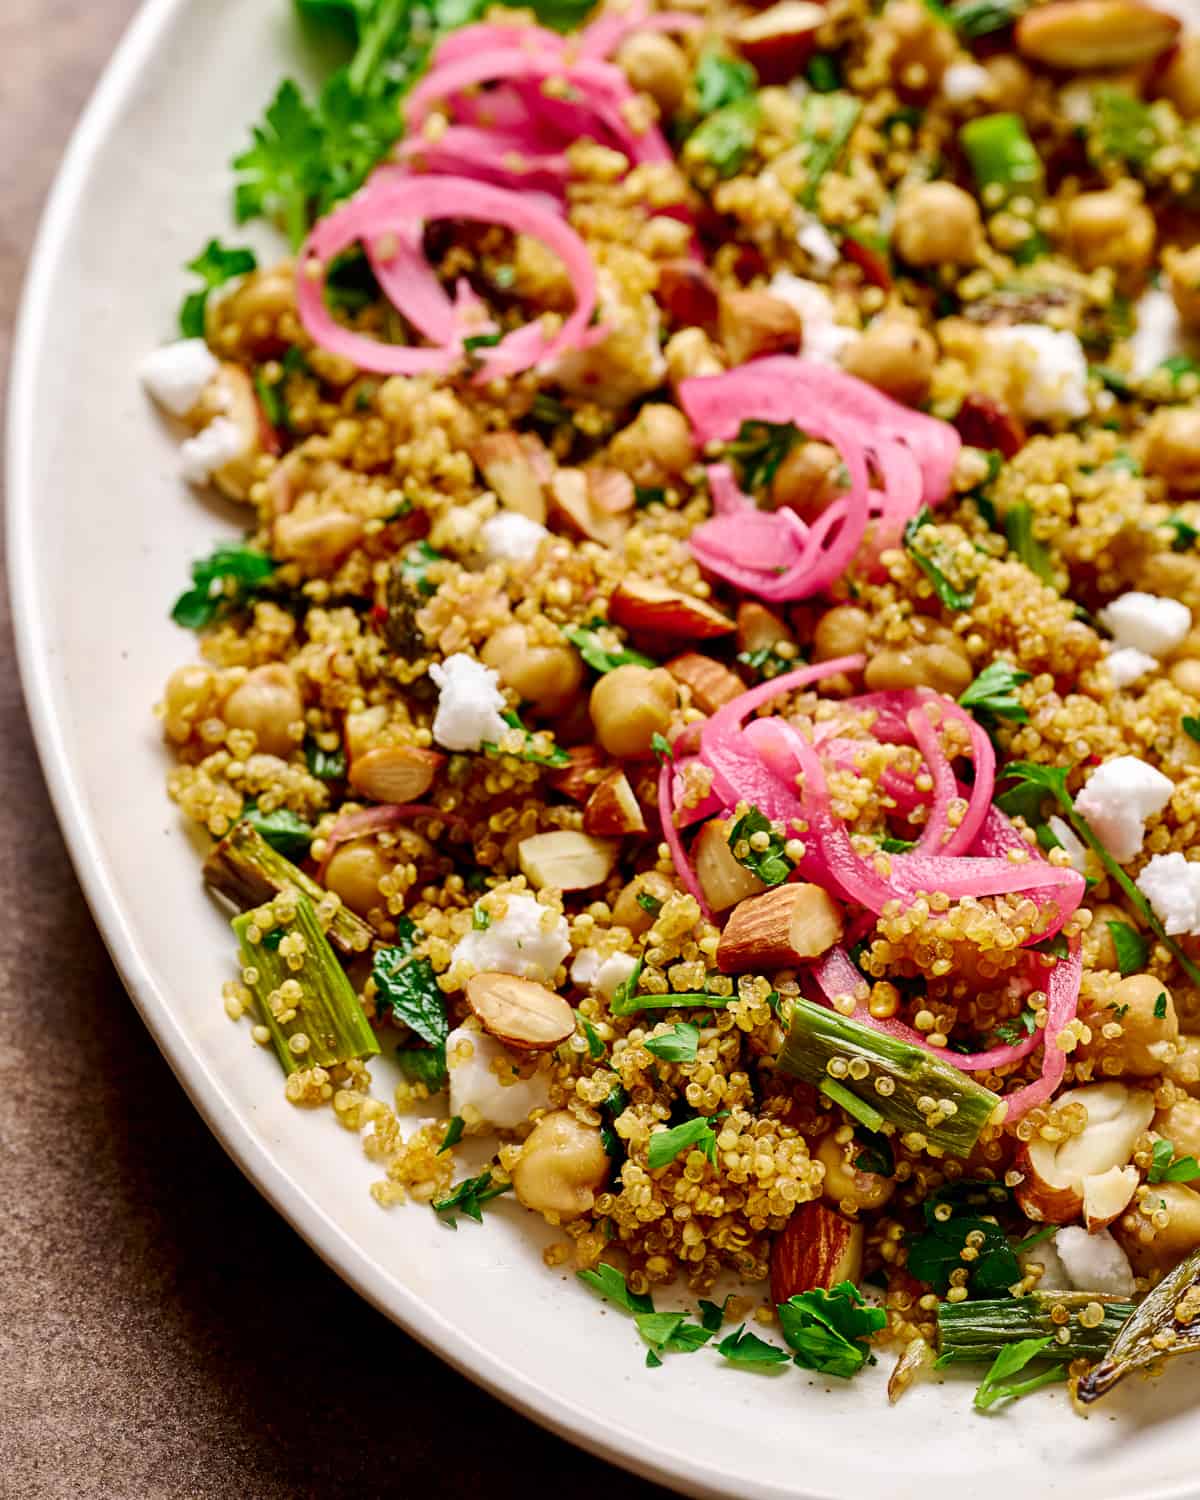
[
  {"x": 1057, "y": 1177},
  {"x": 687, "y": 293},
  {"x": 984, "y": 423},
  {"x": 712, "y": 684},
  {"x": 755, "y": 323},
  {"x": 782, "y": 927},
  {"x": 780, "y": 39},
  {"x": 509, "y": 467},
  {"x": 518, "y": 1012},
  {"x": 652, "y": 609},
  {"x": 815, "y": 1248},
  {"x": 394, "y": 773},
  {"x": 612, "y": 809},
  {"x": 573, "y": 497},
  {"x": 580, "y": 779},
  {"x": 1081, "y": 34}
]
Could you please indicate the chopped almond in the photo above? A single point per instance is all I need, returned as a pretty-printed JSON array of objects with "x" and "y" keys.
[
  {"x": 566, "y": 860},
  {"x": 580, "y": 779},
  {"x": 1058, "y": 1176},
  {"x": 816, "y": 1248},
  {"x": 572, "y": 497},
  {"x": 612, "y": 808},
  {"x": 723, "y": 880},
  {"x": 712, "y": 684},
  {"x": 394, "y": 773},
  {"x": 785, "y": 926},
  {"x": 518, "y": 1012},
  {"x": 754, "y": 323},
  {"x": 781, "y": 39},
  {"x": 508, "y": 466},
  {"x": 652, "y": 609}
]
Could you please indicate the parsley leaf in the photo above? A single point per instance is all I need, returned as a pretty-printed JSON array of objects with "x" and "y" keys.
[
  {"x": 743, "y": 1348},
  {"x": 610, "y": 1284},
  {"x": 555, "y": 758},
  {"x": 224, "y": 581},
  {"x": 286, "y": 832},
  {"x": 425, "y": 1065},
  {"x": 454, "y": 1133},
  {"x": 1131, "y": 947},
  {"x": 827, "y": 122},
  {"x": 469, "y": 1198},
  {"x": 662, "y": 748},
  {"x": 1178, "y": 366},
  {"x": 712, "y": 1314},
  {"x": 937, "y": 1251},
  {"x": 325, "y": 765},
  {"x": 679, "y": 1045},
  {"x": 648, "y": 903},
  {"x": 670, "y": 1332},
  {"x": 876, "y": 1155},
  {"x": 1165, "y": 1166},
  {"x": 765, "y": 662},
  {"x": 827, "y": 1329},
  {"x": 976, "y": 18},
  {"x": 1018, "y": 528},
  {"x": 994, "y": 692},
  {"x": 1191, "y": 726},
  {"x": 1160, "y": 1006},
  {"x": 722, "y": 80},
  {"x": 1186, "y": 534},
  {"x": 725, "y": 139},
  {"x": 595, "y": 1045},
  {"x": 925, "y": 554},
  {"x": 759, "y": 449},
  {"x": 598, "y": 656},
  {"x": 665, "y": 1145},
  {"x": 215, "y": 265},
  {"x": 1008, "y": 1362},
  {"x": 770, "y": 864},
  {"x": 408, "y": 987}
]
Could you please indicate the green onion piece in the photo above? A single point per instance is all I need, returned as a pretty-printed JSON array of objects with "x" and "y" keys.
[
  {"x": 866, "y": 1114},
  {"x": 1170, "y": 1310},
  {"x": 244, "y": 868},
  {"x": 328, "y": 1013},
  {"x": 910, "y": 1075},
  {"x": 975, "y": 1332},
  {"x": 1006, "y": 167},
  {"x": 826, "y": 125}
]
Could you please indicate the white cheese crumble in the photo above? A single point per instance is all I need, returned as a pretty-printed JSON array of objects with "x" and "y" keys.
[
  {"x": 824, "y": 337},
  {"x": 1094, "y": 1262},
  {"x": 1147, "y": 622},
  {"x": 1054, "y": 1276},
  {"x": 1126, "y": 664},
  {"x": 1118, "y": 798},
  {"x": 518, "y": 942},
  {"x": 818, "y": 244},
  {"x": 1054, "y": 369},
  {"x": 511, "y": 537},
  {"x": 176, "y": 374},
  {"x": 604, "y": 975},
  {"x": 1171, "y": 884},
  {"x": 585, "y": 968},
  {"x": 476, "y": 1086},
  {"x": 965, "y": 80},
  {"x": 469, "y": 703},
  {"x": 1158, "y": 335},
  {"x": 211, "y": 449}
]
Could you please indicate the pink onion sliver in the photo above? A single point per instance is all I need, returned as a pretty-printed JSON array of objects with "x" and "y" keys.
[
  {"x": 945, "y": 788},
  {"x": 728, "y": 498},
  {"x": 1062, "y": 994},
  {"x": 602, "y": 38},
  {"x": 408, "y": 281},
  {"x": 368, "y": 820},
  {"x": 469, "y": 41},
  {"x": 683, "y": 865}
]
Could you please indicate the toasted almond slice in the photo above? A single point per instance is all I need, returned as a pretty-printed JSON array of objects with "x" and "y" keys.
[
  {"x": 1055, "y": 1173},
  {"x": 508, "y": 466},
  {"x": 723, "y": 880},
  {"x": 571, "y": 495},
  {"x": 652, "y": 609},
  {"x": 754, "y": 323},
  {"x": 394, "y": 773},
  {"x": 612, "y": 809},
  {"x": 758, "y": 627},
  {"x": 687, "y": 293},
  {"x": 785, "y": 926},
  {"x": 1107, "y": 1195},
  {"x": 816, "y": 1248},
  {"x": 520, "y": 1013},
  {"x": 1079, "y": 34},
  {"x": 611, "y": 491},
  {"x": 586, "y": 770},
  {"x": 566, "y": 860},
  {"x": 712, "y": 684}
]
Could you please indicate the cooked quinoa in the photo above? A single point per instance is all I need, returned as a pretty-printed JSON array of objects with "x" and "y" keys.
[{"x": 474, "y": 635}]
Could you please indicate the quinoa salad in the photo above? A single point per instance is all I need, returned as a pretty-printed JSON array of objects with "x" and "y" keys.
[{"x": 700, "y": 739}]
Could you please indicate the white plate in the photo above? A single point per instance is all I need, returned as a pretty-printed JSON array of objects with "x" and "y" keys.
[{"x": 101, "y": 534}]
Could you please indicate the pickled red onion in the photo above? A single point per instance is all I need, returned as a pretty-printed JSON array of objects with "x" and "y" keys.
[{"x": 683, "y": 865}]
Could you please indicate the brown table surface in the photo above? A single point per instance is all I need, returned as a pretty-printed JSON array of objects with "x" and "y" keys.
[{"x": 141, "y": 1353}]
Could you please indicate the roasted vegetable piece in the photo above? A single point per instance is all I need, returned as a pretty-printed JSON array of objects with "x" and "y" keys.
[
  {"x": 1165, "y": 1324},
  {"x": 975, "y": 1332}
]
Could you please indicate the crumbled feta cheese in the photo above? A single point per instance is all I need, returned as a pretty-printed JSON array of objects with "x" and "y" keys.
[
  {"x": 1126, "y": 664},
  {"x": 1094, "y": 1262},
  {"x": 818, "y": 244},
  {"x": 1054, "y": 1276},
  {"x": 476, "y": 1086},
  {"x": 1158, "y": 335},
  {"x": 1147, "y": 622},
  {"x": 1067, "y": 837},
  {"x": 511, "y": 537},
  {"x": 523, "y": 941},
  {"x": 176, "y": 374},
  {"x": 1118, "y": 798},
  {"x": 585, "y": 968},
  {"x": 469, "y": 703},
  {"x": 211, "y": 449},
  {"x": 613, "y": 973},
  {"x": 824, "y": 337},
  {"x": 965, "y": 80},
  {"x": 1171, "y": 884},
  {"x": 1053, "y": 367}
]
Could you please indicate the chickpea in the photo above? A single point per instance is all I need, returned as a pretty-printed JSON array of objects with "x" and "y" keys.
[
  {"x": 1183, "y": 275},
  {"x": 895, "y": 356},
  {"x": 922, "y": 46},
  {"x": 187, "y": 699},
  {"x": 841, "y": 631},
  {"x": 1184, "y": 1068},
  {"x": 1180, "y": 79},
  {"x": 1012, "y": 82},
  {"x": 657, "y": 66},
  {"x": 1151, "y": 1249},
  {"x": 547, "y": 676},
  {"x": 1110, "y": 228},
  {"x": 845, "y": 1187},
  {"x": 627, "y": 910},
  {"x": 1173, "y": 447},
  {"x": 691, "y": 352},
  {"x": 1185, "y": 675},
  {"x": 1099, "y": 951},
  {"x": 562, "y": 1165},
  {"x": 934, "y": 658},
  {"x": 937, "y": 224},
  {"x": 268, "y": 702},
  {"x": 1181, "y": 1126},
  {"x": 319, "y": 540},
  {"x": 1146, "y": 1043},
  {"x": 807, "y": 479},
  {"x": 655, "y": 447},
  {"x": 629, "y": 706},
  {"x": 354, "y": 872}
]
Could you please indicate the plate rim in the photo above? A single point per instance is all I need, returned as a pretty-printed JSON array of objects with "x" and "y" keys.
[{"x": 621, "y": 1446}]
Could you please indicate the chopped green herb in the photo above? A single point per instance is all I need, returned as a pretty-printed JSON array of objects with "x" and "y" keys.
[
  {"x": 622, "y": 1002},
  {"x": 414, "y": 567},
  {"x": 994, "y": 692},
  {"x": 1007, "y": 1363},
  {"x": 648, "y": 903},
  {"x": 549, "y": 411},
  {"x": 891, "y": 845},
  {"x": 595, "y": 1045},
  {"x": 937, "y": 1251},
  {"x": 726, "y": 138},
  {"x": 742, "y": 1348},
  {"x": 827, "y": 1329},
  {"x": 976, "y": 18},
  {"x": 712, "y": 1315},
  {"x": 1178, "y": 366},
  {"x": 481, "y": 341},
  {"x": 555, "y": 758},
  {"x": 286, "y": 832},
  {"x": 876, "y": 1155},
  {"x": 1160, "y": 1006},
  {"x": 325, "y": 765},
  {"x": 665, "y": 1145},
  {"x": 765, "y": 662},
  {"x": 827, "y": 122},
  {"x": 598, "y": 656},
  {"x": 1165, "y": 1166},
  {"x": 925, "y": 554},
  {"x": 648, "y": 494},
  {"x": 610, "y": 1284},
  {"x": 454, "y": 1133},
  {"x": 1018, "y": 528},
  {"x": 770, "y": 863},
  {"x": 1186, "y": 534},
  {"x": 679, "y": 1045},
  {"x": 1011, "y": 1032},
  {"x": 662, "y": 748},
  {"x": 469, "y": 1198},
  {"x": 407, "y": 988},
  {"x": 480, "y": 920},
  {"x": 759, "y": 449},
  {"x": 1121, "y": 129},
  {"x": 1191, "y": 726},
  {"x": 1112, "y": 380},
  {"x": 671, "y": 1333},
  {"x": 1119, "y": 1011},
  {"x": 425, "y": 1065},
  {"x": 824, "y": 73},
  {"x": 226, "y": 580},
  {"x": 215, "y": 265},
  {"x": 721, "y": 80}
]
